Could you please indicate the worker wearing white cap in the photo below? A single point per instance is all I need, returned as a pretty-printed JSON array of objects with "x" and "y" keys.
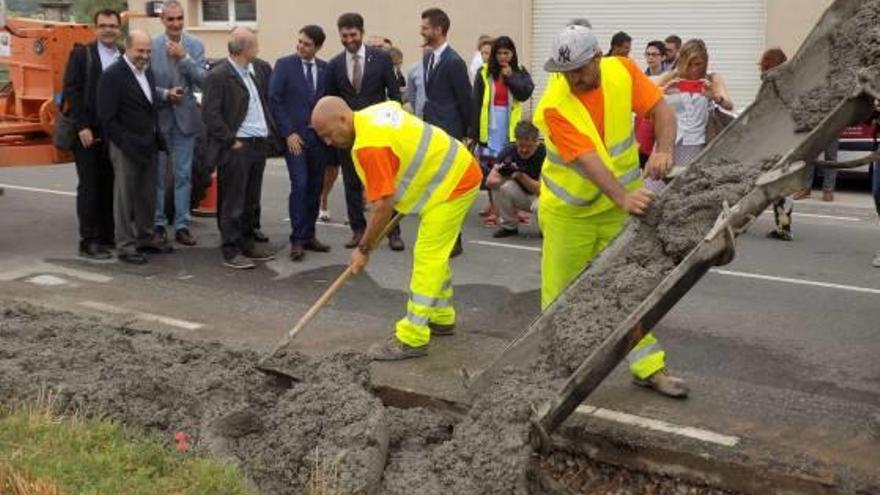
[{"x": 591, "y": 181}]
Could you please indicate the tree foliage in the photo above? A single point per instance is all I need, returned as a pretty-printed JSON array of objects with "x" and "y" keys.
[{"x": 84, "y": 10}]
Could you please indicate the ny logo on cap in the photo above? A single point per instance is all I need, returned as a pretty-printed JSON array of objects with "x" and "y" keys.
[{"x": 564, "y": 54}]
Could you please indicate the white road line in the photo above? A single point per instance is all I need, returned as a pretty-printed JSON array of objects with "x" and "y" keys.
[
  {"x": 39, "y": 267},
  {"x": 661, "y": 426},
  {"x": 504, "y": 245},
  {"x": 824, "y": 217},
  {"x": 797, "y": 281},
  {"x": 38, "y": 189},
  {"x": 165, "y": 320}
]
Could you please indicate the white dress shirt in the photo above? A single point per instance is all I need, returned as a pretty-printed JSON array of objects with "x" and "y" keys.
[
  {"x": 108, "y": 54},
  {"x": 349, "y": 61},
  {"x": 141, "y": 76}
]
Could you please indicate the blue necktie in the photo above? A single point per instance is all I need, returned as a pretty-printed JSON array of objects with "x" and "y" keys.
[{"x": 310, "y": 79}]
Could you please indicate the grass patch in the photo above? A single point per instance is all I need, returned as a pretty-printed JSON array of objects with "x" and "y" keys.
[{"x": 47, "y": 454}]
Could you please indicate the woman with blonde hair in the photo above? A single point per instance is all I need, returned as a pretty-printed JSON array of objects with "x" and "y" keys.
[{"x": 694, "y": 93}]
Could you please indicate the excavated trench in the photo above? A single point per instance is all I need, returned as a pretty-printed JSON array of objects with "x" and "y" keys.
[{"x": 329, "y": 433}]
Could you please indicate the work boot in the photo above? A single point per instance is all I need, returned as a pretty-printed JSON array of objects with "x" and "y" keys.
[
  {"x": 259, "y": 253},
  {"x": 315, "y": 245},
  {"x": 395, "y": 350},
  {"x": 780, "y": 235},
  {"x": 355, "y": 239},
  {"x": 440, "y": 330},
  {"x": 395, "y": 242},
  {"x": 665, "y": 384}
]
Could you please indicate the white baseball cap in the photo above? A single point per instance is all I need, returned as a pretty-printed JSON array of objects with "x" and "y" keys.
[{"x": 572, "y": 49}]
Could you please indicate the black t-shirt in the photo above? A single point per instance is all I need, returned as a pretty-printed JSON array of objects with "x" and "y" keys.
[{"x": 531, "y": 166}]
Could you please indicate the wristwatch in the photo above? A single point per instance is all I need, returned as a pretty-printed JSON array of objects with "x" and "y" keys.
[{"x": 364, "y": 248}]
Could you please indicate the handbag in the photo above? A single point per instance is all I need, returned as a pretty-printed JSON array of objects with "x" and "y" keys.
[
  {"x": 718, "y": 120},
  {"x": 64, "y": 133}
]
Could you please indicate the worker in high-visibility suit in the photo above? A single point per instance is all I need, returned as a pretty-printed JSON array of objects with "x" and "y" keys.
[
  {"x": 590, "y": 180},
  {"x": 414, "y": 168}
]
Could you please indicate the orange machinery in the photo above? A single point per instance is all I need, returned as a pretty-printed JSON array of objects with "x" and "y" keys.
[{"x": 35, "y": 51}]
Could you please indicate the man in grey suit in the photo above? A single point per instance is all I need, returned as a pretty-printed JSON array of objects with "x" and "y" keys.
[{"x": 178, "y": 64}]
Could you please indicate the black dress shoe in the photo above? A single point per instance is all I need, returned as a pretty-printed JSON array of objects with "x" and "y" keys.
[
  {"x": 259, "y": 236},
  {"x": 94, "y": 251},
  {"x": 457, "y": 249},
  {"x": 316, "y": 246},
  {"x": 355, "y": 240},
  {"x": 396, "y": 243},
  {"x": 154, "y": 248},
  {"x": 297, "y": 253},
  {"x": 133, "y": 258}
]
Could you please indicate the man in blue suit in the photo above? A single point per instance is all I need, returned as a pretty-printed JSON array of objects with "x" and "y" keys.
[
  {"x": 297, "y": 83},
  {"x": 178, "y": 63}
]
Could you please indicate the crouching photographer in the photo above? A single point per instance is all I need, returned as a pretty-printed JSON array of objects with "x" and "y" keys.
[{"x": 515, "y": 178}]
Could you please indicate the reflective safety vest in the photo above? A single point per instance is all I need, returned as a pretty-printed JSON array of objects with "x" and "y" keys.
[
  {"x": 431, "y": 162},
  {"x": 514, "y": 106},
  {"x": 565, "y": 188}
]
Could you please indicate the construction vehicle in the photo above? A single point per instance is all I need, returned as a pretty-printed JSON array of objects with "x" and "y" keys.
[
  {"x": 35, "y": 52},
  {"x": 765, "y": 129}
]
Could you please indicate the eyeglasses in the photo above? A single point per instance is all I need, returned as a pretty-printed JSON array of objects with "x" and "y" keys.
[{"x": 652, "y": 54}]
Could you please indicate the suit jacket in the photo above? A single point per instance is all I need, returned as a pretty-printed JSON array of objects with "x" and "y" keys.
[
  {"x": 189, "y": 72},
  {"x": 448, "y": 93},
  {"x": 379, "y": 82},
  {"x": 291, "y": 100},
  {"x": 225, "y": 106},
  {"x": 129, "y": 120},
  {"x": 83, "y": 106}
]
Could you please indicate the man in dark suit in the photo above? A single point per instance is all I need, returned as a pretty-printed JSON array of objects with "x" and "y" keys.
[
  {"x": 236, "y": 116},
  {"x": 129, "y": 118},
  {"x": 94, "y": 190},
  {"x": 447, "y": 87},
  {"x": 447, "y": 83},
  {"x": 362, "y": 76},
  {"x": 297, "y": 83}
]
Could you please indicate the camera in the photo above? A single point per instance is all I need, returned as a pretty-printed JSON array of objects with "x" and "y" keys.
[{"x": 507, "y": 168}]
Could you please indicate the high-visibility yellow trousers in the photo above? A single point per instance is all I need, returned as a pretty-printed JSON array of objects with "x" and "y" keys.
[
  {"x": 430, "y": 298},
  {"x": 570, "y": 244}
]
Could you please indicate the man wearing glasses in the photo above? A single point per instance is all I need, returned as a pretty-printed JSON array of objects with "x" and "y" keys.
[{"x": 94, "y": 190}]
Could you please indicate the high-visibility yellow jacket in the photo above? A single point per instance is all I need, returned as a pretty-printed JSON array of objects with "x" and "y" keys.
[
  {"x": 431, "y": 162},
  {"x": 565, "y": 188},
  {"x": 514, "y": 105}
]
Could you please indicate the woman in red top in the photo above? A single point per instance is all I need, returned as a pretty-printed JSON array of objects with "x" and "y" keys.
[{"x": 510, "y": 83}]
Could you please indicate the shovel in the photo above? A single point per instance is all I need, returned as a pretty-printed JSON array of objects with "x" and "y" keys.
[{"x": 319, "y": 304}]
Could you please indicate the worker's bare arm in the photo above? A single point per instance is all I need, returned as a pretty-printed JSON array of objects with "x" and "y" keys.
[
  {"x": 635, "y": 202},
  {"x": 382, "y": 210}
]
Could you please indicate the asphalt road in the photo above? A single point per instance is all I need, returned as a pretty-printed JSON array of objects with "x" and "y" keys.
[{"x": 780, "y": 346}]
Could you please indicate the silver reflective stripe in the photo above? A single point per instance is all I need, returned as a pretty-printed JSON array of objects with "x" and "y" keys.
[
  {"x": 555, "y": 158},
  {"x": 637, "y": 355},
  {"x": 430, "y": 302},
  {"x": 620, "y": 148},
  {"x": 439, "y": 175},
  {"x": 416, "y": 319},
  {"x": 566, "y": 196},
  {"x": 630, "y": 177},
  {"x": 416, "y": 163}
]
